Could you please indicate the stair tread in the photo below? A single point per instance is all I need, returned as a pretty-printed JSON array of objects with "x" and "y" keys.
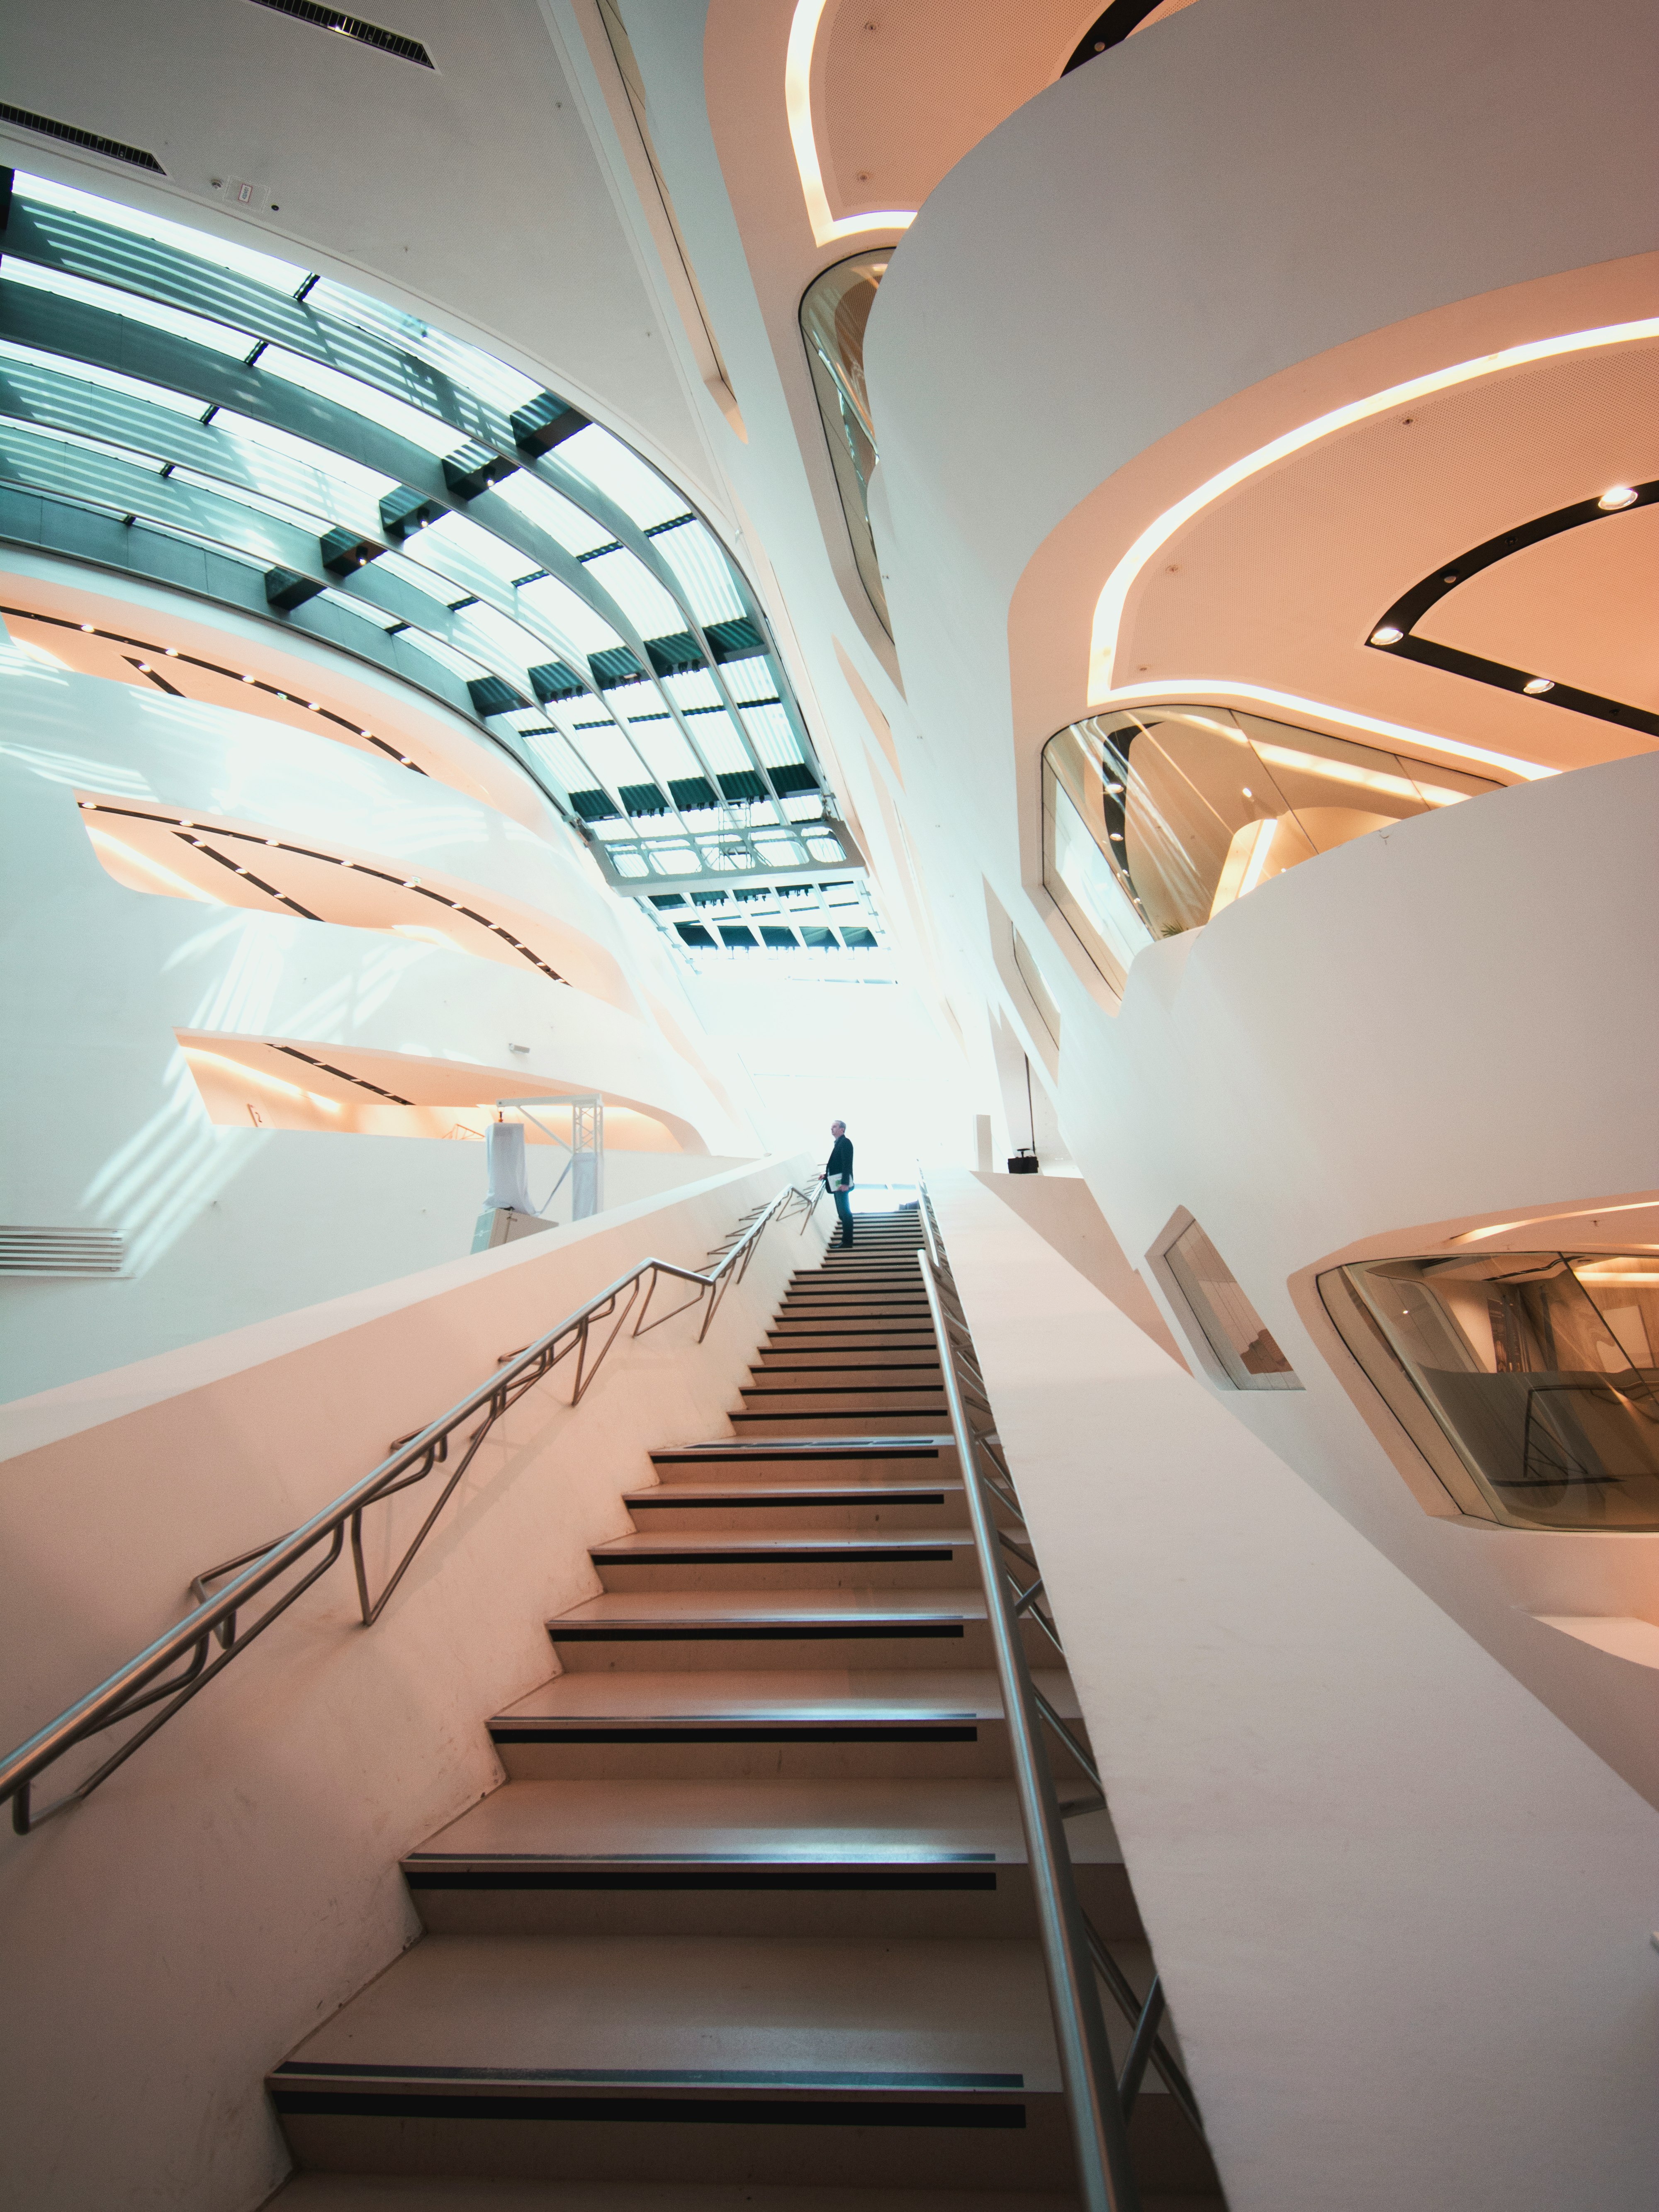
[
  {"x": 759, "y": 1542},
  {"x": 654, "y": 1608},
  {"x": 799, "y": 1823},
  {"x": 829, "y": 1447},
  {"x": 874, "y": 2016},
  {"x": 786, "y": 1695},
  {"x": 874, "y": 1489},
  {"x": 362, "y": 2193}
]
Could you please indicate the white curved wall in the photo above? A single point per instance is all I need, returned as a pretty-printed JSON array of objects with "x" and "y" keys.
[
  {"x": 1398, "y": 1033},
  {"x": 226, "y": 1225}
]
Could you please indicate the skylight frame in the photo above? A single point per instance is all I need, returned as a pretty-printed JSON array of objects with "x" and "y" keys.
[{"x": 397, "y": 377}]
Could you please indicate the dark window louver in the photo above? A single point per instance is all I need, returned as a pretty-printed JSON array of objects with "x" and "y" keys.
[
  {"x": 112, "y": 149},
  {"x": 352, "y": 27}
]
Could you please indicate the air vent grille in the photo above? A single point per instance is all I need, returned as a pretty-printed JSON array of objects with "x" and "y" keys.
[
  {"x": 27, "y": 1251},
  {"x": 110, "y": 148},
  {"x": 352, "y": 27}
]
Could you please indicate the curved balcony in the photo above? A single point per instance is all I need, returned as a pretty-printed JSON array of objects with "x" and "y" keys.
[
  {"x": 1527, "y": 1380},
  {"x": 1156, "y": 819}
]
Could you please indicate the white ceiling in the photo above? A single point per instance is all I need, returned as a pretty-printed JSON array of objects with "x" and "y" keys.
[{"x": 470, "y": 191}]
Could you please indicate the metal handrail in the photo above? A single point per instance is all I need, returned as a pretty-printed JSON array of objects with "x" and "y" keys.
[
  {"x": 1099, "y": 2107},
  {"x": 146, "y": 1681}
]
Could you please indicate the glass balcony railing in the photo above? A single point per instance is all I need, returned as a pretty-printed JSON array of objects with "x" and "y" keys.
[
  {"x": 1527, "y": 1380},
  {"x": 834, "y": 314},
  {"x": 1155, "y": 820}
]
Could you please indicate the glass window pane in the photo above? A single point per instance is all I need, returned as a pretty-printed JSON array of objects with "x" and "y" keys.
[
  {"x": 623, "y": 476},
  {"x": 638, "y": 594},
  {"x": 217, "y": 337},
  {"x": 574, "y": 529},
  {"x": 465, "y": 364},
  {"x": 1537, "y": 1370},
  {"x": 704, "y": 573},
  {"x": 369, "y": 485},
  {"x": 108, "y": 379},
  {"x": 572, "y": 618},
  {"x": 771, "y": 735},
  {"x": 1234, "y": 1330},
  {"x": 395, "y": 415},
  {"x": 834, "y": 315},
  {"x": 263, "y": 268}
]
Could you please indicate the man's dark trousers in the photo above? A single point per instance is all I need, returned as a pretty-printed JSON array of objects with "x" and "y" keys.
[{"x": 843, "y": 1207}]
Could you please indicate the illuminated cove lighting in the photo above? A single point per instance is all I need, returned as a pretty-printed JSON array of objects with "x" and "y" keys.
[
  {"x": 1109, "y": 608},
  {"x": 798, "y": 104}
]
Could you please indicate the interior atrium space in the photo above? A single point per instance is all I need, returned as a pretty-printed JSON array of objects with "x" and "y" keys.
[{"x": 829, "y": 1228}]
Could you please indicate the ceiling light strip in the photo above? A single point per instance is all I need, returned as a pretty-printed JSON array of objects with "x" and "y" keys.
[
  {"x": 798, "y": 106},
  {"x": 1110, "y": 607}
]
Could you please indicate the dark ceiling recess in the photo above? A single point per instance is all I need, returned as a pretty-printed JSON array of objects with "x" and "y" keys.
[
  {"x": 112, "y": 149},
  {"x": 1392, "y": 632},
  {"x": 352, "y": 27},
  {"x": 1110, "y": 28}
]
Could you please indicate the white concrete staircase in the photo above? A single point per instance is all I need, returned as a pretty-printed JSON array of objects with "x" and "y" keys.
[{"x": 750, "y": 1922}]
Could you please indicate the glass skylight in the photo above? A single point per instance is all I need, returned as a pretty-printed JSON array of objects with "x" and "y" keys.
[
  {"x": 773, "y": 739},
  {"x": 316, "y": 520},
  {"x": 217, "y": 337},
  {"x": 448, "y": 582},
  {"x": 369, "y": 485},
  {"x": 124, "y": 454},
  {"x": 551, "y": 512},
  {"x": 639, "y": 595},
  {"x": 263, "y": 268},
  {"x": 107, "y": 379},
  {"x": 465, "y": 364},
  {"x": 572, "y": 618},
  {"x": 621, "y": 475},
  {"x": 395, "y": 415},
  {"x": 704, "y": 573}
]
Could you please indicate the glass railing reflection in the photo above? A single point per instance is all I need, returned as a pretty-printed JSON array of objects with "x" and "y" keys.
[
  {"x": 1155, "y": 820},
  {"x": 832, "y": 316},
  {"x": 1527, "y": 1379}
]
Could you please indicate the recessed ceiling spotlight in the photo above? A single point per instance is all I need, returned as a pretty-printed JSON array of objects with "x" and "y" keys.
[
  {"x": 1248, "y": 793},
  {"x": 1117, "y": 790},
  {"x": 1537, "y": 685},
  {"x": 1388, "y": 634},
  {"x": 142, "y": 666},
  {"x": 404, "y": 761},
  {"x": 413, "y": 885},
  {"x": 312, "y": 704},
  {"x": 1615, "y": 496},
  {"x": 250, "y": 679},
  {"x": 87, "y": 626},
  {"x": 88, "y": 806}
]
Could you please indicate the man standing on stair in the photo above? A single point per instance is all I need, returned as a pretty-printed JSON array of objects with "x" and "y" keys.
[{"x": 838, "y": 1178}]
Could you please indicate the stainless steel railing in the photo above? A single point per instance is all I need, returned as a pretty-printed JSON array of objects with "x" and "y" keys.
[
  {"x": 1098, "y": 2101},
  {"x": 148, "y": 1679}
]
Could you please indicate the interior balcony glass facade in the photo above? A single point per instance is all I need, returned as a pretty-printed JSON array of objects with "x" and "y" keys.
[
  {"x": 834, "y": 313},
  {"x": 1528, "y": 1380},
  {"x": 1156, "y": 818},
  {"x": 214, "y": 418}
]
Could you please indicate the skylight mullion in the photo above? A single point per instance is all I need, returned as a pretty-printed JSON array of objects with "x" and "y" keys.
[
  {"x": 65, "y": 402},
  {"x": 70, "y": 472}
]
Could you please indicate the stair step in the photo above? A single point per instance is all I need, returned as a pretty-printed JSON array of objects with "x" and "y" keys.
[
  {"x": 752, "y": 1858},
  {"x": 690, "y": 2059},
  {"x": 356, "y": 2192},
  {"x": 871, "y": 1507},
  {"x": 763, "y": 1555},
  {"x": 781, "y": 1723},
  {"x": 826, "y": 1422},
  {"x": 795, "y": 1451},
  {"x": 724, "y": 1627}
]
